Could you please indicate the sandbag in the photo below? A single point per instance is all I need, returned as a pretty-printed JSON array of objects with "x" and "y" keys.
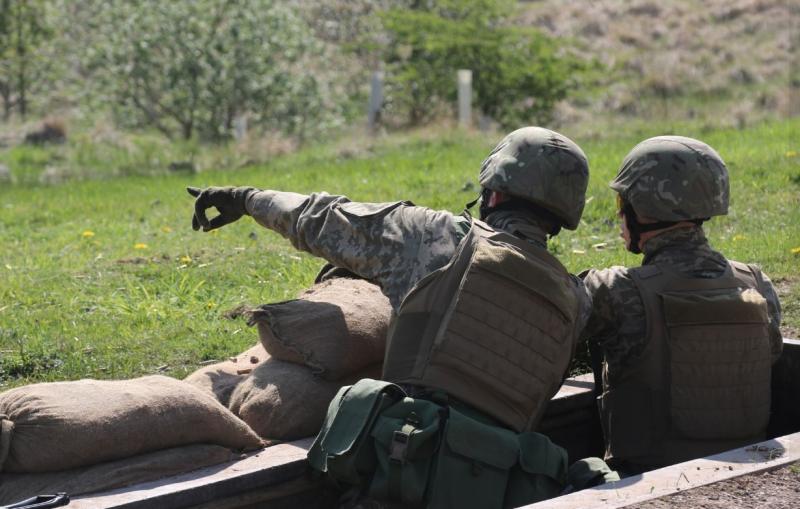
[
  {"x": 286, "y": 401},
  {"x": 337, "y": 327},
  {"x": 221, "y": 379},
  {"x": 114, "y": 474},
  {"x": 56, "y": 426}
]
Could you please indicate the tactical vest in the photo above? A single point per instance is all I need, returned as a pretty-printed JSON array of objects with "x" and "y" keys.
[
  {"x": 702, "y": 383},
  {"x": 493, "y": 328}
]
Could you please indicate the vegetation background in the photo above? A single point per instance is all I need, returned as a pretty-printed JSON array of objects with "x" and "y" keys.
[{"x": 110, "y": 108}]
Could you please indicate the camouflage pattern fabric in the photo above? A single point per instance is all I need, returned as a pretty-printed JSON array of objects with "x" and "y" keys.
[
  {"x": 392, "y": 244},
  {"x": 543, "y": 167},
  {"x": 674, "y": 178},
  {"x": 617, "y": 323}
]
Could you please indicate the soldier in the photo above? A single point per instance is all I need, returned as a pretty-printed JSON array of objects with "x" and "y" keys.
[
  {"x": 483, "y": 314},
  {"x": 688, "y": 338}
]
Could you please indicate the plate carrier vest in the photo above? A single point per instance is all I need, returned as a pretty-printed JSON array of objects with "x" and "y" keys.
[
  {"x": 494, "y": 328},
  {"x": 702, "y": 383}
]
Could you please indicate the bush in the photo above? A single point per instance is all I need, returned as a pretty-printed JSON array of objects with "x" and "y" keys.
[{"x": 518, "y": 74}]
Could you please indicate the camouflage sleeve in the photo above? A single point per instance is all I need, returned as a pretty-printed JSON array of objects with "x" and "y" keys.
[
  {"x": 774, "y": 309},
  {"x": 584, "y": 307},
  {"x": 393, "y": 244},
  {"x": 602, "y": 319},
  {"x": 617, "y": 321}
]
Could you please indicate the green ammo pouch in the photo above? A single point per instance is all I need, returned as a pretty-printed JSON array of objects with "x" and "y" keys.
[
  {"x": 407, "y": 437},
  {"x": 473, "y": 464},
  {"x": 540, "y": 474},
  {"x": 343, "y": 448}
]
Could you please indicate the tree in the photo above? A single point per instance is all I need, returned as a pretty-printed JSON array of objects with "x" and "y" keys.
[
  {"x": 22, "y": 28},
  {"x": 518, "y": 74},
  {"x": 190, "y": 68}
]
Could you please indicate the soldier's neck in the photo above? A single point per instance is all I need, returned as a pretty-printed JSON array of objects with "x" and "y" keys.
[{"x": 520, "y": 225}]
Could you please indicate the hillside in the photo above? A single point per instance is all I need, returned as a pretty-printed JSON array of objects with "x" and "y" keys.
[{"x": 728, "y": 62}]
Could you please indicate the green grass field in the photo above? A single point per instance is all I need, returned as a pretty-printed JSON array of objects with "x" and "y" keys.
[{"x": 103, "y": 277}]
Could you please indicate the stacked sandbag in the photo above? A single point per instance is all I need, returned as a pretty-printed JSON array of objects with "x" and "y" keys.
[
  {"x": 221, "y": 379},
  {"x": 338, "y": 327},
  {"x": 114, "y": 474},
  {"x": 286, "y": 401},
  {"x": 57, "y": 426}
]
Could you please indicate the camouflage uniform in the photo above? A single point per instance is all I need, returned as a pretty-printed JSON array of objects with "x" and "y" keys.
[
  {"x": 665, "y": 184},
  {"x": 617, "y": 322},
  {"x": 392, "y": 244}
]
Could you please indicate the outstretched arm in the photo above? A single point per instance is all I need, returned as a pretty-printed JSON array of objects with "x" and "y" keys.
[{"x": 392, "y": 244}]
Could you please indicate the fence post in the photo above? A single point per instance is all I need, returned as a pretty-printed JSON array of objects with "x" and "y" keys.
[
  {"x": 240, "y": 126},
  {"x": 375, "y": 100},
  {"x": 464, "y": 97}
]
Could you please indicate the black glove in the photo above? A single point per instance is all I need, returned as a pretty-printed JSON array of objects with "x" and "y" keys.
[{"x": 229, "y": 201}]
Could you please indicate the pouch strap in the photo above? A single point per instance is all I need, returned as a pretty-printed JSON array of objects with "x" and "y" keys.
[{"x": 397, "y": 458}]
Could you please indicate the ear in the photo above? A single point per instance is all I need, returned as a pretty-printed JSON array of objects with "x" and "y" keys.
[{"x": 496, "y": 198}]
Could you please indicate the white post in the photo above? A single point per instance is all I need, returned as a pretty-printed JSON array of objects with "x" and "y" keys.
[
  {"x": 375, "y": 100},
  {"x": 240, "y": 126},
  {"x": 464, "y": 97}
]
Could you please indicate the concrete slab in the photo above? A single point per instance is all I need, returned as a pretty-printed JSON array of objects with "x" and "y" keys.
[{"x": 758, "y": 457}]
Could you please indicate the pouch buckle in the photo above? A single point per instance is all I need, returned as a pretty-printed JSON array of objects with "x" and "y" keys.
[{"x": 397, "y": 452}]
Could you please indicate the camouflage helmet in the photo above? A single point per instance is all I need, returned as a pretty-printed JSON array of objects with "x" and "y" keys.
[
  {"x": 542, "y": 167},
  {"x": 673, "y": 178}
]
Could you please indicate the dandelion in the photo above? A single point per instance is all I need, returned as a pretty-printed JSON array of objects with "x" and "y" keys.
[
  {"x": 87, "y": 234},
  {"x": 791, "y": 153},
  {"x": 186, "y": 259},
  {"x": 796, "y": 250},
  {"x": 140, "y": 245},
  {"x": 738, "y": 237},
  {"x": 166, "y": 229},
  {"x": 211, "y": 304}
]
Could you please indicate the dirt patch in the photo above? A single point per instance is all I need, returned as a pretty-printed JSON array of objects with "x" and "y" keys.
[{"x": 775, "y": 489}]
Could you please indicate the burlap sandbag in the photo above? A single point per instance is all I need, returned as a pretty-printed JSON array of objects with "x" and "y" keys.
[
  {"x": 221, "y": 379},
  {"x": 337, "y": 327},
  {"x": 62, "y": 425},
  {"x": 285, "y": 401},
  {"x": 114, "y": 474}
]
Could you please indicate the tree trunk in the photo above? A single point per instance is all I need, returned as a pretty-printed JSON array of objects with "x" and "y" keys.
[
  {"x": 5, "y": 92},
  {"x": 186, "y": 129},
  {"x": 23, "y": 64}
]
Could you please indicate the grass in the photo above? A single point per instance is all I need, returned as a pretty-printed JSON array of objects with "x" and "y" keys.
[{"x": 103, "y": 277}]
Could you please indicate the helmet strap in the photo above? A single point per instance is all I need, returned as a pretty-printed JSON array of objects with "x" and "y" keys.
[{"x": 473, "y": 202}]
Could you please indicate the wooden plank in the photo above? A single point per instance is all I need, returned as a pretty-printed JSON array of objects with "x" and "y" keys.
[
  {"x": 759, "y": 457},
  {"x": 269, "y": 467}
]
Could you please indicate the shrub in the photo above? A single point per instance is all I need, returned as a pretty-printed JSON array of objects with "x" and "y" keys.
[{"x": 518, "y": 73}]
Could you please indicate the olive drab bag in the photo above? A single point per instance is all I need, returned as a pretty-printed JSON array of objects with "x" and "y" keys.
[
  {"x": 702, "y": 384},
  {"x": 424, "y": 453},
  {"x": 493, "y": 328}
]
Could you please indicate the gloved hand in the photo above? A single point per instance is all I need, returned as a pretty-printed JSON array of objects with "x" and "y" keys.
[{"x": 229, "y": 201}]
